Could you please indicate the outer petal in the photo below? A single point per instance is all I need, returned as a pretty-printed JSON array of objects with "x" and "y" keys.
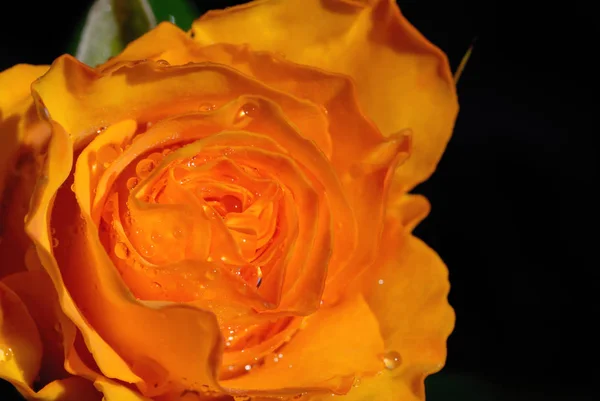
[
  {"x": 70, "y": 389},
  {"x": 403, "y": 80},
  {"x": 116, "y": 392},
  {"x": 35, "y": 290},
  {"x": 21, "y": 136},
  {"x": 87, "y": 276},
  {"x": 21, "y": 349},
  {"x": 84, "y": 100},
  {"x": 407, "y": 290},
  {"x": 345, "y": 335},
  {"x": 56, "y": 169},
  {"x": 16, "y": 113}
]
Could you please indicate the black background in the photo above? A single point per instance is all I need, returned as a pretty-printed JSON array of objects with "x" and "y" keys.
[{"x": 514, "y": 200}]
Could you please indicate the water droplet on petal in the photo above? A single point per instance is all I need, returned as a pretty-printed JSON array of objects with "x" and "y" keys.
[
  {"x": 131, "y": 183},
  {"x": 248, "y": 110},
  {"x": 121, "y": 251},
  {"x": 248, "y": 367},
  {"x": 55, "y": 242},
  {"x": 380, "y": 281},
  {"x": 6, "y": 353},
  {"x": 145, "y": 167},
  {"x": 206, "y": 107},
  {"x": 177, "y": 232},
  {"x": 156, "y": 237},
  {"x": 391, "y": 360},
  {"x": 73, "y": 187}
]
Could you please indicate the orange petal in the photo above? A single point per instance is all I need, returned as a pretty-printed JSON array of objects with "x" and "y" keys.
[
  {"x": 116, "y": 392},
  {"x": 20, "y": 344},
  {"x": 382, "y": 387},
  {"x": 84, "y": 100},
  {"x": 70, "y": 389},
  {"x": 407, "y": 289},
  {"x": 15, "y": 111},
  {"x": 336, "y": 343},
  {"x": 36, "y": 291},
  {"x": 56, "y": 169},
  {"x": 403, "y": 81},
  {"x": 21, "y": 136},
  {"x": 103, "y": 302},
  {"x": 39, "y": 304}
]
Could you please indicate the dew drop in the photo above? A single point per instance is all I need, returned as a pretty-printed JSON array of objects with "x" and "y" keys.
[
  {"x": 247, "y": 110},
  {"x": 131, "y": 183},
  {"x": 247, "y": 367},
  {"x": 148, "y": 251},
  {"x": 145, "y": 167},
  {"x": 121, "y": 251},
  {"x": 177, "y": 232},
  {"x": 391, "y": 360},
  {"x": 380, "y": 282},
  {"x": 206, "y": 107},
  {"x": 73, "y": 187},
  {"x": 55, "y": 242},
  {"x": 6, "y": 353},
  {"x": 156, "y": 237},
  {"x": 166, "y": 152}
]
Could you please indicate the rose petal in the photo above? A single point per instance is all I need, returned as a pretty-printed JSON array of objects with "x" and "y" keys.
[
  {"x": 117, "y": 392},
  {"x": 359, "y": 154},
  {"x": 21, "y": 136},
  {"x": 382, "y": 387},
  {"x": 21, "y": 349},
  {"x": 20, "y": 344},
  {"x": 70, "y": 389},
  {"x": 88, "y": 100},
  {"x": 15, "y": 101},
  {"x": 407, "y": 289},
  {"x": 37, "y": 293},
  {"x": 56, "y": 170},
  {"x": 343, "y": 340},
  {"x": 99, "y": 293},
  {"x": 403, "y": 81}
]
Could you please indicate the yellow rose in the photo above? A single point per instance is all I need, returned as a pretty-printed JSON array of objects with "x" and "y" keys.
[{"x": 223, "y": 214}]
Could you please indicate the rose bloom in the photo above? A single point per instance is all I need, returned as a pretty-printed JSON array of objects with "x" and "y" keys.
[{"x": 224, "y": 213}]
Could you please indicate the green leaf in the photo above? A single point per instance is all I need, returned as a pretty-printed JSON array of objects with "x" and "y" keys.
[
  {"x": 180, "y": 12},
  {"x": 111, "y": 24}
]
